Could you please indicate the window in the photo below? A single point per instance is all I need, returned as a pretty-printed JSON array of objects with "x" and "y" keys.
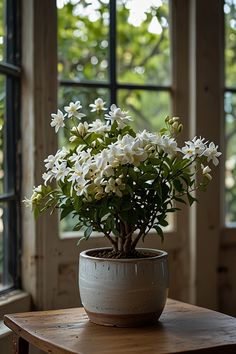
[
  {"x": 9, "y": 134},
  {"x": 230, "y": 111},
  {"x": 120, "y": 51}
]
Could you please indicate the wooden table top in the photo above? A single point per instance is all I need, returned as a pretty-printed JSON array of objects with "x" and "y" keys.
[{"x": 182, "y": 328}]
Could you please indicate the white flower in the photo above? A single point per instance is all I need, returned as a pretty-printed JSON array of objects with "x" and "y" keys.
[
  {"x": 60, "y": 170},
  {"x": 51, "y": 159},
  {"x": 28, "y": 202},
  {"x": 212, "y": 153},
  {"x": 48, "y": 176},
  {"x": 81, "y": 186},
  {"x": 108, "y": 171},
  {"x": 194, "y": 148},
  {"x": 116, "y": 115},
  {"x": 80, "y": 155},
  {"x": 168, "y": 145},
  {"x": 146, "y": 138},
  {"x": 99, "y": 127},
  {"x": 72, "y": 110},
  {"x": 98, "y": 105},
  {"x": 36, "y": 196},
  {"x": 101, "y": 159},
  {"x": 188, "y": 150},
  {"x": 206, "y": 171},
  {"x": 200, "y": 145},
  {"x": 115, "y": 186},
  {"x": 38, "y": 189},
  {"x": 77, "y": 172},
  {"x": 57, "y": 120}
]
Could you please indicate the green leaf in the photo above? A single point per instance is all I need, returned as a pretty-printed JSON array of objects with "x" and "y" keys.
[
  {"x": 78, "y": 226},
  {"x": 88, "y": 231},
  {"x": 178, "y": 185},
  {"x": 180, "y": 200},
  {"x": 91, "y": 138},
  {"x": 191, "y": 199},
  {"x": 66, "y": 211},
  {"x": 159, "y": 232},
  {"x": 115, "y": 232},
  {"x": 133, "y": 174},
  {"x": 80, "y": 240},
  {"x": 163, "y": 222},
  {"x": 36, "y": 213}
]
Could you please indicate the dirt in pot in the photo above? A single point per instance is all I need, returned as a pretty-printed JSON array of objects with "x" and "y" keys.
[{"x": 136, "y": 254}]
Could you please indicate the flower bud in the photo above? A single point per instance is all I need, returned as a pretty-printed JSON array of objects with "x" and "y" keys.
[
  {"x": 208, "y": 176},
  {"x": 206, "y": 170},
  {"x": 82, "y": 129},
  {"x": 167, "y": 119},
  {"x": 175, "y": 119},
  {"x": 175, "y": 125}
]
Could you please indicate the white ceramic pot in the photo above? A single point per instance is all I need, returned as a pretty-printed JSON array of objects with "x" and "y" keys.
[{"x": 124, "y": 292}]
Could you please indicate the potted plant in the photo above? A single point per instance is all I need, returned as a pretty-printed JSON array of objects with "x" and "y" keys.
[{"x": 122, "y": 184}]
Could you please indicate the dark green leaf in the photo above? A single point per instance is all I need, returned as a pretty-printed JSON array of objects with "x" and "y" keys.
[
  {"x": 88, "y": 231},
  {"x": 159, "y": 231},
  {"x": 66, "y": 211}
]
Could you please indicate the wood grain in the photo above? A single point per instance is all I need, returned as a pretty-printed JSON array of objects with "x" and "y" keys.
[{"x": 182, "y": 328}]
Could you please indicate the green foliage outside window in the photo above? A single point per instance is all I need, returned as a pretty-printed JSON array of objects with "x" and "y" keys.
[{"x": 230, "y": 110}]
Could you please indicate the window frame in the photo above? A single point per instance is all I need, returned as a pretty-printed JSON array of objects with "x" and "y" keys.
[
  {"x": 113, "y": 85},
  {"x": 11, "y": 70}
]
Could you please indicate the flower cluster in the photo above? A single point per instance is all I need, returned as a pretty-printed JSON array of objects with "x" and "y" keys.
[{"x": 117, "y": 181}]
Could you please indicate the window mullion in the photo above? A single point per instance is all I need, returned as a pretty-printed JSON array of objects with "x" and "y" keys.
[{"x": 112, "y": 52}]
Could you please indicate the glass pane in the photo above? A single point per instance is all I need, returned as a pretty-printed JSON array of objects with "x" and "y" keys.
[
  {"x": 85, "y": 96},
  {"x": 230, "y": 42},
  {"x": 143, "y": 42},
  {"x": 83, "y": 39},
  {"x": 2, "y": 30},
  {"x": 3, "y": 157},
  {"x": 230, "y": 163},
  {"x": 147, "y": 108},
  {"x": 5, "y": 277}
]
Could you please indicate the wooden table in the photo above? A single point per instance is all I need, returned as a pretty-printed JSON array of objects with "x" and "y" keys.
[{"x": 182, "y": 328}]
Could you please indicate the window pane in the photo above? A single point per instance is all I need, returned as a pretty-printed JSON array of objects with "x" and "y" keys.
[
  {"x": 85, "y": 96},
  {"x": 3, "y": 156},
  {"x": 2, "y": 30},
  {"x": 143, "y": 42},
  {"x": 83, "y": 39},
  {"x": 230, "y": 42},
  {"x": 230, "y": 164},
  {"x": 5, "y": 248},
  {"x": 147, "y": 108}
]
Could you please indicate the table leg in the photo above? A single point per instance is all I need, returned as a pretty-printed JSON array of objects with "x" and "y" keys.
[{"x": 20, "y": 345}]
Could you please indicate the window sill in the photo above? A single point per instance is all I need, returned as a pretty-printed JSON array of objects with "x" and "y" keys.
[{"x": 14, "y": 301}]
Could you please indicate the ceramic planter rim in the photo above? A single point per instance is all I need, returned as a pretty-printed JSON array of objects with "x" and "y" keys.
[{"x": 156, "y": 255}]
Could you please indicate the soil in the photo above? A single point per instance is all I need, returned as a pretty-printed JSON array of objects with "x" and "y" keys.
[{"x": 136, "y": 254}]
